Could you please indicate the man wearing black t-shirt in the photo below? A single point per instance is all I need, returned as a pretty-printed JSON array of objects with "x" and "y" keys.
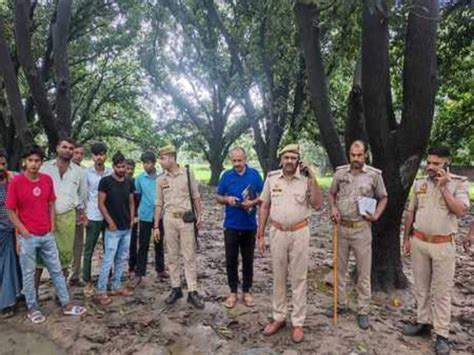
[{"x": 116, "y": 203}]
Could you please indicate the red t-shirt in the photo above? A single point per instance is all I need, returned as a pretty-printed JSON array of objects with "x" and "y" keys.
[{"x": 31, "y": 201}]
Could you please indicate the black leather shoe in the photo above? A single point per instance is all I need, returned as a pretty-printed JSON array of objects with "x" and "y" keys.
[
  {"x": 340, "y": 311},
  {"x": 417, "y": 329},
  {"x": 441, "y": 346},
  {"x": 175, "y": 295},
  {"x": 195, "y": 300},
  {"x": 363, "y": 321}
]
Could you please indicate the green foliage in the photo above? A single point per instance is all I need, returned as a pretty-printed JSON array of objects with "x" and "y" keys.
[{"x": 454, "y": 119}]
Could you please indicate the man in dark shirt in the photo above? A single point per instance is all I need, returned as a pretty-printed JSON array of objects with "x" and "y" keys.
[{"x": 117, "y": 205}]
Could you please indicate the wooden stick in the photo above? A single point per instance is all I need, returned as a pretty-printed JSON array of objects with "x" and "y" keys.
[{"x": 334, "y": 270}]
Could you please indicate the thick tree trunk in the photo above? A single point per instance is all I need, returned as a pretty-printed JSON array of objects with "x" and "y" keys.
[
  {"x": 33, "y": 77},
  {"x": 7, "y": 71},
  {"x": 355, "y": 121},
  {"x": 216, "y": 170},
  {"x": 307, "y": 18},
  {"x": 63, "y": 81},
  {"x": 397, "y": 151}
]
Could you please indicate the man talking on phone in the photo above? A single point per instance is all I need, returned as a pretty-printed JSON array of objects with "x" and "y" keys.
[
  {"x": 287, "y": 196},
  {"x": 438, "y": 200}
]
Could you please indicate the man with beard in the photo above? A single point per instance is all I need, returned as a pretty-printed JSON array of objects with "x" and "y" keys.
[
  {"x": 30, "y": 206},
  {"x": 350, "y": 183},
  {"x": 117, "y": 205},
  {"x": 70, "y": 187},
  {"x": 238, "y": 190},
  {"x": 287, "y": 196},
  {"x": 438, "y": 200},
  {"x": 74, "y": 280},
  {"x": 10, "y": 283},
  {"x": 173, "y": 197},
  {"x": 95, "y": 220}
]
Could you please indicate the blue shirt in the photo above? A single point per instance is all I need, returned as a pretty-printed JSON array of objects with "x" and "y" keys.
[
  {"x": 233, "y": 184},
  {"x": 145, "y": 186}
]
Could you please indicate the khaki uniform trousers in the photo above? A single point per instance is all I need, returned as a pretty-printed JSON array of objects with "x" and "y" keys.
[
  {"x": 433, "y": 271},
  {"x": 360, "y": 242},
  {"x": 289, "y": 251},
  {"x": 180, "y": 237}
]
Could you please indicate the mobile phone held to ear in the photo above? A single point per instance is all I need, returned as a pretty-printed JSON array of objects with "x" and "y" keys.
[{"x": 303, "y": 169}]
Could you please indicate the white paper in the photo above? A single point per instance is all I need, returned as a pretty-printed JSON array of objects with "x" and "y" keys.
[{"x": 366, "y": 204}]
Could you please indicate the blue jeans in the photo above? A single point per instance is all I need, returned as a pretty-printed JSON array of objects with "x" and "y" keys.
[
  {"x": 46, "y": 247},
  {"x": 117, "y": 245}
]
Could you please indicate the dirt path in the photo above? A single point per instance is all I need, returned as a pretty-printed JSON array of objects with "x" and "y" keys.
[{"x": 142, "y": 324}]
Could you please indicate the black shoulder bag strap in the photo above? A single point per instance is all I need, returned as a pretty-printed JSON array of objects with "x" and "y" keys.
[{"x": 193, "y": 209}]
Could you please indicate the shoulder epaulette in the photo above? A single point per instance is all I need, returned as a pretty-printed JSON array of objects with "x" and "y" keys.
[
  {"x": 274, "y": 172},
  {"x": 343, "y": 167},
  {"x": 458, "y": 177},
  {"x": 371, "y": 168}
]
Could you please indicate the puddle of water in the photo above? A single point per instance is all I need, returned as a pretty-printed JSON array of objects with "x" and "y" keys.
[{"x": 13, "y": 342}]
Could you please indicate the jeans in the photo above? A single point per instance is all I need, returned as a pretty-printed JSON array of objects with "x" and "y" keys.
[
  {"x": 144, "y": 243},
  {"x": 46, "y": 247},
  {"x": 243, "y": 241},
  {"x": 117, "y": 245}
]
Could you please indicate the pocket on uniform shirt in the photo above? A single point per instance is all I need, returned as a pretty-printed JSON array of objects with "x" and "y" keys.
[
  {"x": 300, "y": 198},
  {"x": 366, "y": 190}
]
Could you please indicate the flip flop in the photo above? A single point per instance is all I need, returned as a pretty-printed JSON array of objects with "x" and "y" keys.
[
  {"x": 103, "y": 299},
  {"x": 249, "y": 301},
  {"x": 36, "y": 317},
  {"x": 230, "y": 301},
  {"x": 75, "y": 311}
]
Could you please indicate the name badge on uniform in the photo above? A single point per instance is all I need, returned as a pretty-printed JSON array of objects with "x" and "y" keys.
[
  {"x": 276, "y": 189},
  {"x": 423, "y": 189},
  {"x": 166, "y": 184}
]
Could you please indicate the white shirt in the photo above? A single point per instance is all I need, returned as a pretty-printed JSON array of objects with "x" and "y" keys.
[
  {"x": 70, "y": 189},
  {"x": 93, "y": 178}
]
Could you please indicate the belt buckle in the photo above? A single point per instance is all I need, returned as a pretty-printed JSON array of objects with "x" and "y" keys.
[{"x": 429, "y": 238}]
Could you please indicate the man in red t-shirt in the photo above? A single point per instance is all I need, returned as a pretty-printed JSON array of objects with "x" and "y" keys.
[{"x": 30, "y": 206}]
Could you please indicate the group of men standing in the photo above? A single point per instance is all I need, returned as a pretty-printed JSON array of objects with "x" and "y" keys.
[{"x": 50, "y": 205}]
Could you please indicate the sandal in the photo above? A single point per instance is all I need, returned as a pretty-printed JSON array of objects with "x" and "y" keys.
[
  {"x": 249, "y": 301},
  {"x": 125, "y": 292},
  {"x": 231, "y": 301},
  {"x": 74, "y": 311},
  {"x": 103, "y": 299},
  {"x": 36, "y": 317}
]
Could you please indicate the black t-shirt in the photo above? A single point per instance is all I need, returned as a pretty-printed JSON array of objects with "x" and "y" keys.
[{"x": 117, "y": 200}]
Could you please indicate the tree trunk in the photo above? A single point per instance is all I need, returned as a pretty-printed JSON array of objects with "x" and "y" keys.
[
  {"x": 216, "y": 170},
  {"x": 397, "y": 150},
  {"x": 13, "y": 92},
  {"x": 355, "y": 121},
  {"x": 307, "y": 18},
  {"x": 63, "y": 84},
  {"x": 33, "y": 77}
]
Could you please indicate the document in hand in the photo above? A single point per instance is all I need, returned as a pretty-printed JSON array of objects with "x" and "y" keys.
[{"x": 366, "y": 204}]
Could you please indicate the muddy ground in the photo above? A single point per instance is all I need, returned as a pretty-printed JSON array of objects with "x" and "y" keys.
[{"x": 142, "y": 324}]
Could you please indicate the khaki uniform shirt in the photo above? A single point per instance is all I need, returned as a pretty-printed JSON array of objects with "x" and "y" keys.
[
  {"x": 289, "y": 197},
  {"x": 172, "y": 193},
  {"x": 432, "y": 215},
  {"x": 349, "y": 187}
]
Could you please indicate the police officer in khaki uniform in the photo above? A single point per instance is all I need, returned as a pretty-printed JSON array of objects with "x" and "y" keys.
[
  {"x": 172, "y": 197},
  {"x": 350, "y": 183},
  {"x": 438, "y": 200},
  {"x": 287, "y": 196}
]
